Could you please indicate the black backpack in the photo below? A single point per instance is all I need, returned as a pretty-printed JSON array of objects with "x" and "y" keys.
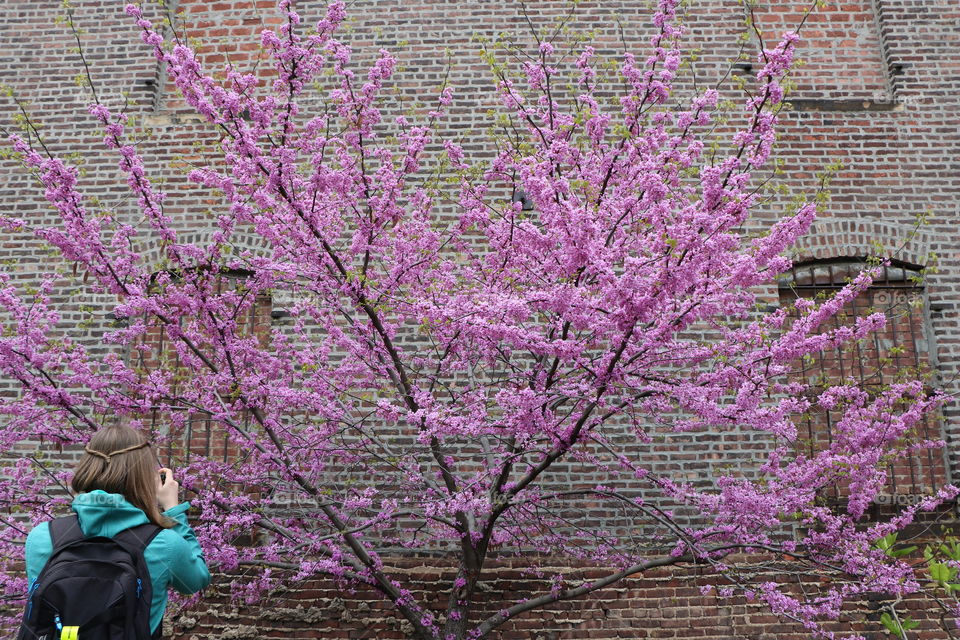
[{"x": 92, "y": 588}]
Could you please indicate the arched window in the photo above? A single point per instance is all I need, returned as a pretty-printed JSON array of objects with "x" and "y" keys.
[
  {"x": 902, "y": 349},
  {"x": 199, "y": 435}
]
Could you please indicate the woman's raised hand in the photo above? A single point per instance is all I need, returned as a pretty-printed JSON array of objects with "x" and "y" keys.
[{"x": 168, "y": 489}]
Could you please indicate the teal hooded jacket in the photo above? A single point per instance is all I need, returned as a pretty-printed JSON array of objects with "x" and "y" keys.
[{"x": 174, "y": 557}]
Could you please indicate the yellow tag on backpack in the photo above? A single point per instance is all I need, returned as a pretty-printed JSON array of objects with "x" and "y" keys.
[{"x": 70, "y": 633}]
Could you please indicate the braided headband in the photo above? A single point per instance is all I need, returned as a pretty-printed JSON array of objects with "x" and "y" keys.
[{"x": 108, "y": 456}]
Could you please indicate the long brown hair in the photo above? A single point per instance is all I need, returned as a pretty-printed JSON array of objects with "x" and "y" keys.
[{"x": 118, "y": 459}]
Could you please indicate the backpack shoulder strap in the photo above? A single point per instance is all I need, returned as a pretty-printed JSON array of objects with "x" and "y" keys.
[
  {"x": 64, "y": 531},
  {"x": 138, "y": 537}
]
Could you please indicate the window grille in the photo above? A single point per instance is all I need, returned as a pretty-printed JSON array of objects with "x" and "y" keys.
[
  {"x": 900, "y": 350},
  {"x": 200, "y": 434}
]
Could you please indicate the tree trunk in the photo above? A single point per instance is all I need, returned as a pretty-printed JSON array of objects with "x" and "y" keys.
[{"x": 458, "y": 609}]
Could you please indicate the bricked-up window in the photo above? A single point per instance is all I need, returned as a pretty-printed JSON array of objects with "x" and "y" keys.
[
  {"x": 200, "y": 435},
  {"x": 898, "y": 351}
]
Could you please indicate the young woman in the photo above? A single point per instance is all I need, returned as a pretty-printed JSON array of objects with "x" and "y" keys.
[{"x": 117, "y": 486}]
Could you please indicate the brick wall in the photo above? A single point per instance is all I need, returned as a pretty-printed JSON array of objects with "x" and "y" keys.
[
  {"x": 663, "y": 604},
  {"x": 880, "y": 92}
]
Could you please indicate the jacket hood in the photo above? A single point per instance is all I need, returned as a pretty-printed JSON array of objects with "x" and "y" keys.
[{"x": 106, "y": 514}]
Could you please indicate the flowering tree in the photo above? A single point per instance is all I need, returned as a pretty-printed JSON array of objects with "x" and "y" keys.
[{"x": 452, "y": 352}]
